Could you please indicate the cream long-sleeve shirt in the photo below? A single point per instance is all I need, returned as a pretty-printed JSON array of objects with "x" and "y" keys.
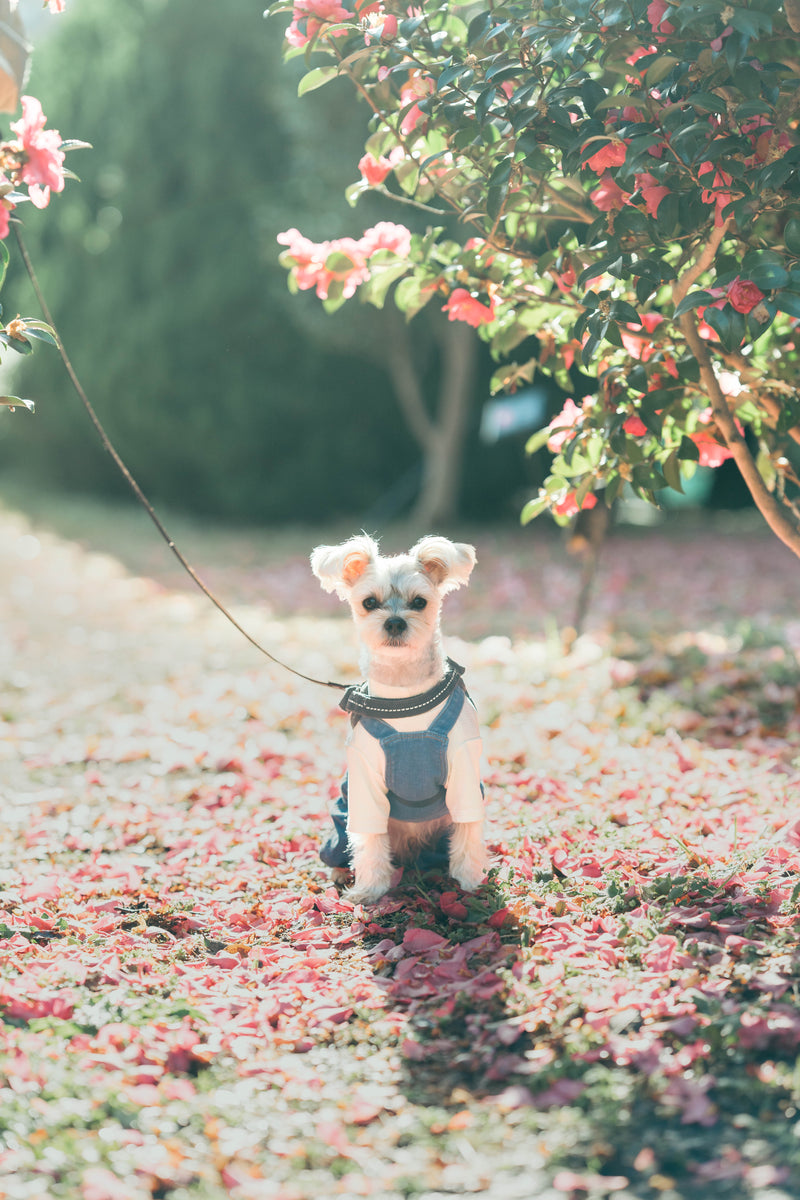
[{"x": 368, "y": 802}]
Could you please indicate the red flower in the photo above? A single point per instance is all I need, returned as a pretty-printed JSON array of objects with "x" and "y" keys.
[
  {"x": 635, "y": 426},
  {"x": 608, "y": 196},
  {"x": 717, "y": 193},
  {"x": 463, "y": 306},
  {"x": 743, "y": 295},
  {"x": 374, "y": 170},
  {"x": 652, "y": 191},
  {"x": 568, "y": 505},
  {"x": 610, "y": 155},
  {"x": 656, "y": 11}
]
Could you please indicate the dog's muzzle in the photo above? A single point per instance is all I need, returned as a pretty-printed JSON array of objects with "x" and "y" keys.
[{"x": 395, "y": 627}]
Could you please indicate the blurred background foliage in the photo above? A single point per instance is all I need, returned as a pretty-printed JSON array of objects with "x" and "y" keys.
[{"x": 226, "y": 396}]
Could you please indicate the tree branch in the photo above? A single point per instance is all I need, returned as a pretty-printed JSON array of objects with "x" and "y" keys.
[
  {"x": 765, "y": 502},
  {"x": 702, "y": 263},
  {"x": 396, "y": 355}
]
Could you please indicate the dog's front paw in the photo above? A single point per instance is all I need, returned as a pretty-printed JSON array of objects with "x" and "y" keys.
[
  {"x": 365, "y": 895},
  {"x": 468, "y": 876},
  {"x": 469, "y": 860}
]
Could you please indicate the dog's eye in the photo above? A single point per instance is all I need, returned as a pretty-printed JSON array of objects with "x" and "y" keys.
[
  {"x": 370, "y": 603},
  {"x": 418, "y": 603}
]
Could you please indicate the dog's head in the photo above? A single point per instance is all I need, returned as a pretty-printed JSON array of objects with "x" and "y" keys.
[{"x": 395, "y": 601}]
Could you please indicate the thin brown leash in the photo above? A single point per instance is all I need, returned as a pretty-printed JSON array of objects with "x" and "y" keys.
[{"x": 134, "y": 486}]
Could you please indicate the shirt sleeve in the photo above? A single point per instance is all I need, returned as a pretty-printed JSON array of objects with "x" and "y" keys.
[
  {"x": 368, "y": 803},
  {"x": 464, "y": 793}
]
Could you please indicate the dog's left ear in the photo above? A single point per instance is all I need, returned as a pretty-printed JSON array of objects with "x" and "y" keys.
[{"x": 447, "y": 564}]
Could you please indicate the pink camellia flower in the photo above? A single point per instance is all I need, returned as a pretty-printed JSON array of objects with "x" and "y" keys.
[
  {"x": 463, "y": 306},
  {"x": 56, "y": 6},
  {"x": 43, "y": 168},
  {"x": 309, "y": 16},
  {"x": 656, "y": 11},
  {"x": 743, "y": 295},
  {"x": 568, "y": 505},
  {"x": 417, "y": 88},
  {"x": 310, "y": 266},
  {"x": 374, "y": 170},
  {"x": 563, "y": 425},
  {"x": 386, "y": 235},
  {"x": 610, "y": 155},
  {"x": 379, "y": 23},
  {"x": 652, "y": 191},
  {"x": 608, "y": 196}
]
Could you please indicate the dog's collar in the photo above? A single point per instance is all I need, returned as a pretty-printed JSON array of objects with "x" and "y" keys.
[{"x": 357, "y": 699}]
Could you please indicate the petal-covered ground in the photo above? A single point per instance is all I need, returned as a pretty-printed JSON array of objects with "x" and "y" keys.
[{"x": 191, "y": 1010}]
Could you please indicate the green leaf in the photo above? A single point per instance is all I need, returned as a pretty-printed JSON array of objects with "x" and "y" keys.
[
  {"x": 708, "y": 102},
  {"x": 769, "y": 275},
  {"x": 648, "y": 477},
  {"x": 484, "y": 103},
  {"x": 338, "y": 262},
  {"x": 533, "y": 508},
  {"x": 13, "y": 402},
  {"x": 42, "y": 335},
  {"x": 672, "y": 471},
  {"x": 410, "y": 297},
  {"x": 765, "y": 268},
  {"x": 688, "y": 450},
  {"x": 538, "y": 439},
  {"x": 375, "y": 290},
  {"x": 791, "y": 235},
  {"x": 693, "y": 300},
  {"x": 789, "y": 302},
  {"x": 316, "y": 78},
  {"x": 659, "y": 69},
  {"x": 21, "y": 345},
  {"x": 626, "y": 312}
]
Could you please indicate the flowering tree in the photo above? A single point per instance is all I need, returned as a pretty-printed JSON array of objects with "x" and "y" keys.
[
  {"x": 613, "y": 183},
  {"x": 31, "y": 169}
]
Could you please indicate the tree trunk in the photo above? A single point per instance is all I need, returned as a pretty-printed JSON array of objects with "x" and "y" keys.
[{"x": 443, "y": 453}]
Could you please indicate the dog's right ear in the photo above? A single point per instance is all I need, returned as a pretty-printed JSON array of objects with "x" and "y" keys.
[{"x": 338, "y": 568}]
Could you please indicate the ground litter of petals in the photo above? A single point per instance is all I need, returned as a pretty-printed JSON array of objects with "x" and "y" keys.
[{"x": 190, "y": 1009}]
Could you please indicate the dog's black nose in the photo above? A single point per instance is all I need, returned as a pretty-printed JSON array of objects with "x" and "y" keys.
[{"x": 394, "y": 626}]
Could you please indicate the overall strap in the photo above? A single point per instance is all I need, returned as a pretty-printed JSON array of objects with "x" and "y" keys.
[{"x": 446, "y": 719}]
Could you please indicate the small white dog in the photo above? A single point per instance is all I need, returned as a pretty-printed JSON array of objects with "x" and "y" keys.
[{"x": 413, "y": 755}]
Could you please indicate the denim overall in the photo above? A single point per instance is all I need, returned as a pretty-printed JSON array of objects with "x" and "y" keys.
[{"x": 416, "y": 771}]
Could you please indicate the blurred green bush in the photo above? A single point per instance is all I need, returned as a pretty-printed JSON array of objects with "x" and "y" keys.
[{"x": 161, "y": 271}]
